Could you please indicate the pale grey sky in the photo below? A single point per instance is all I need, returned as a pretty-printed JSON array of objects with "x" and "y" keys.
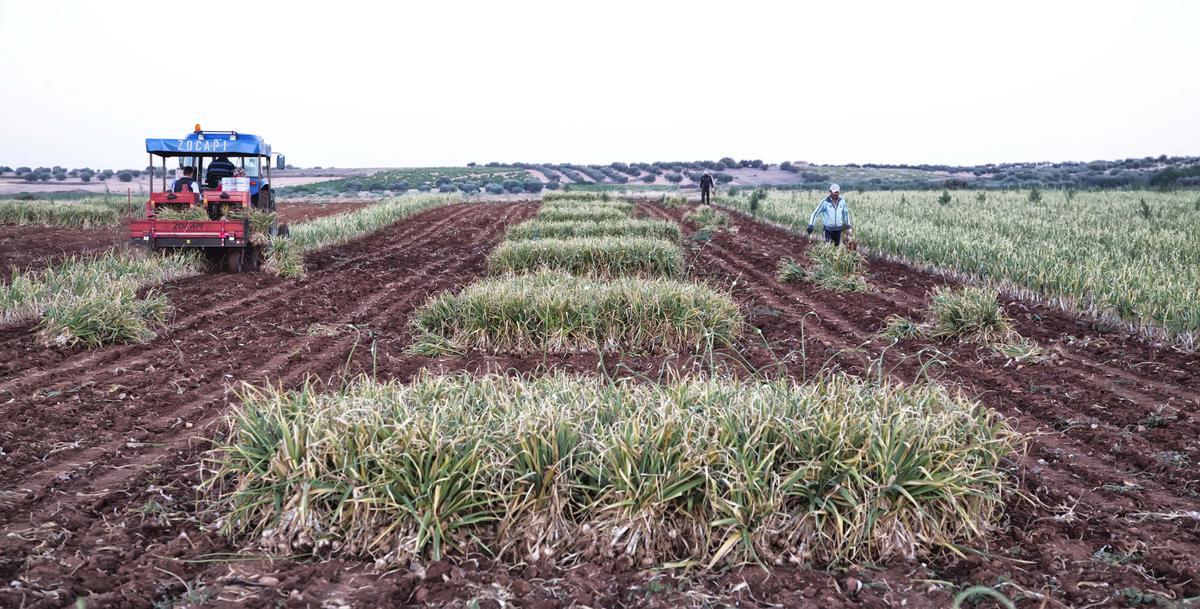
[{"x": 446, "y": 82}]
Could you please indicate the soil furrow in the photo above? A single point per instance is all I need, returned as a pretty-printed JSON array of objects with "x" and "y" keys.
[
  {"x": 199, "y": 301},
  {"x": 434, "y": 263}
]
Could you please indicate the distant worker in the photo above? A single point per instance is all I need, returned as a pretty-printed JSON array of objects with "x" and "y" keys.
[
  {"x": 835, "y": 216},
  {"x": 706, "y": 187},
  {"x": 187, "y": 183},
  {"x": 220, "y": 168}
]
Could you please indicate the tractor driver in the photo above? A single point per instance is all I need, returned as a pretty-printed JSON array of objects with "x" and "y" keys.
[
  {"x": 220, "y": 168},
  {"x": 187, "y": 183}
]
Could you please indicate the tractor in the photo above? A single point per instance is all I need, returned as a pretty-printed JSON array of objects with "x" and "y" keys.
[{"x": 228, "y": 217}]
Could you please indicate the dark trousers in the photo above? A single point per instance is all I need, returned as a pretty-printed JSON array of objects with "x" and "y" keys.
[
  {"x": 704, "y": 196},
  {"x": 833, "y": 236}
]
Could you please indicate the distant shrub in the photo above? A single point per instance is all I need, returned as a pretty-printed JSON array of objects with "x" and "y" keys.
[
  {"x": 516, "y": 189},
  {"x": 493, "y": 188},
  {"x": 533, "y": 186},
  {"x": 30, "y": 176},
  {"x": 723, "y": 178},
  {"x": 786, "y": 166},
  {"x": 674, "y": 178},
  {"x": 85, "y": 177},
  {"x": 553, "y": 185},
  {"x": 447, "y": 187},
  {"x": 511, "y": 185},
  {"x": 125, "y": 176},
  {"x": 945, "y": 198},
  {"x": 23, "y": 170},
  {"x": 400, "y": 186},
  {"x": 352, "y": 186},
  {"x": 469, "y": 187},
  {"x": 648, "y": 178},
  {"x": 441, "y": 180},
  {"x": 60, "y": 175}
]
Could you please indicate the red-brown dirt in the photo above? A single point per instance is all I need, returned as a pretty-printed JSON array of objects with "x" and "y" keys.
[
  {"x": 98, "y": 469},
  {"x": 34, "y": 247}
]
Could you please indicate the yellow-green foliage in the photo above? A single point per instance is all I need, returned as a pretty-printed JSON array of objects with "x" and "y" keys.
[
  {"x": 184, "y": 212},
  {"x": 555, "y": 312},
  {"x": 538, "y": 229},
  {"x": 94, "y": 301},
  {"x": 833, "y": 268},
  {"x": 600, "y": 256},
  {"x": 576, "y": 196},
  {"x": 591, "y": 205},
  {"x": 707, "y": 217},
  {"x": 582, "y": 213},
  {"x": 567, "y": 468},
  {"x": 1098, "y": 251},
  {"x": 91, "y": 212}
]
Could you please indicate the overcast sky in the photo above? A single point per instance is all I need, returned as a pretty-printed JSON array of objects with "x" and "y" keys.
[{"x": 443, "y": 82}]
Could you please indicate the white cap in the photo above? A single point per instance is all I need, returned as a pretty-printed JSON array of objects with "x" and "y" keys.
[{"x": 835, "y": 188}]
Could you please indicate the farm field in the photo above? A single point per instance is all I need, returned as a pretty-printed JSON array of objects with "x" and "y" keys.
[
  {"x": 101, "y": 479},
  {"x": 1128, "y": 257},
  {"x": 455, "y": 322}
]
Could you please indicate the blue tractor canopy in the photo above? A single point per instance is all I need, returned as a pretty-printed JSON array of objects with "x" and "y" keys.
[
  {"x": 210, "y": 144},
  {"x": 200, "y": 148}
]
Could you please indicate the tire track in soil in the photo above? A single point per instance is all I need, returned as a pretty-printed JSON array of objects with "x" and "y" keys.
[
  {"x": 332, "y": 355},
  {"x": 1052, "y": 477},
  {"x": 208, "y": 305}
]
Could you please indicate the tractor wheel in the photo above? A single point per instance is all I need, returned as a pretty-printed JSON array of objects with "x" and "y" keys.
[
  {"x": 234, "y": 260},
  {"x": 214, "y": 257},
  {"x": 252, "y": 258}
]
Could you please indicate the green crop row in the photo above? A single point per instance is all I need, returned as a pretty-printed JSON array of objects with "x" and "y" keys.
[
  {"x": 1125, "y": 256},
  {"x": 542, "y": 229},
  {"x": 564, "y": 469},
  {"x": 91, "y": 212},
  {"x": 599, "y": 256},
  {"x": 560, "y": 313},
  {"x": 95, "y": 301}
]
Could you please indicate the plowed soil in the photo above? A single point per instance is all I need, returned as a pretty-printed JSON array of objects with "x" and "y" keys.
[
  {"x": 99, "y": 449},
  {"x": 34, "y": 247}
]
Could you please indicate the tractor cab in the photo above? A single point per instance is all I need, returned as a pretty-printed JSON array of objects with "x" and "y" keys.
[{"x": 232, "y": 174}]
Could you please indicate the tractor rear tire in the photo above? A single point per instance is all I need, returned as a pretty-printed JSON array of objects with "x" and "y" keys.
[
  {"x": 234, "y": 260},
  {"x": 215, "y": 258},
  {"x": 252, "y": 258}
]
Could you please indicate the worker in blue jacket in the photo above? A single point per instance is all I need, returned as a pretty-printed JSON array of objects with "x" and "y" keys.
[{"x": 834, "y": 214}]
